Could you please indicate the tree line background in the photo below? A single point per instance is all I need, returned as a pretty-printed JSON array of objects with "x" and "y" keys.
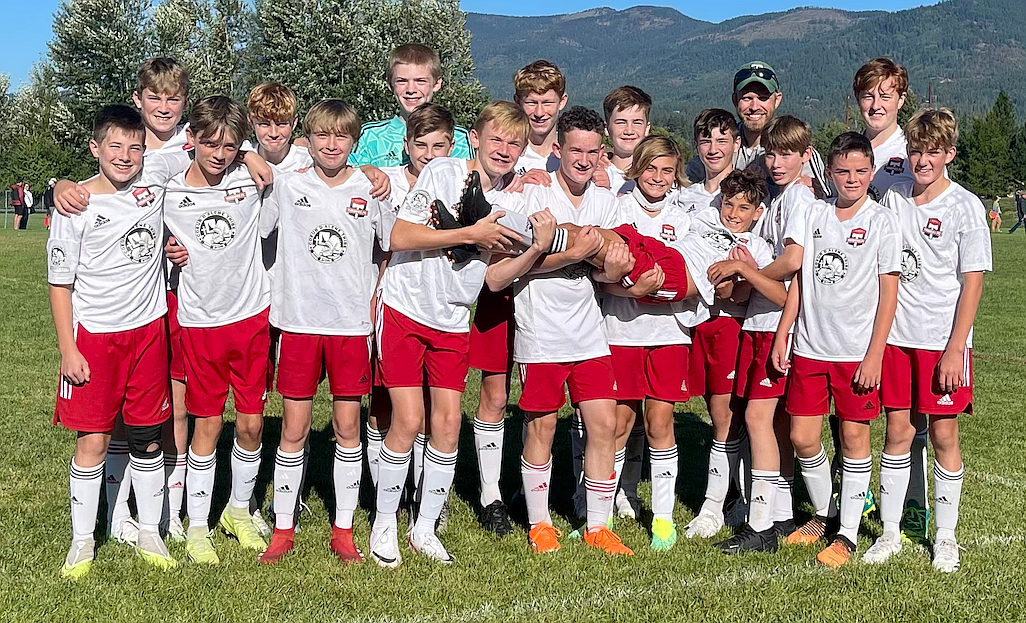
[{"x": 321, "y": 48}]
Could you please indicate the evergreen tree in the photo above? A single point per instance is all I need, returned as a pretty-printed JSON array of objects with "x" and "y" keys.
[{"x": 986, "y": 166}]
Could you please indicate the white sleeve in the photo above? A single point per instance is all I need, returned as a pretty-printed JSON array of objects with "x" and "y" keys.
[
  {"x": 269, "y": 211},
  {"x": 796, "y": 226},
  {"x": 63, "y": 248},
  {"x": 416, "y": 208},
  {"x": 974, "y": 252},
  {"x": 762, "y": 252},
  {"x": 166, "y": 165},
  {"x": 383, "y": 219},
  {"x": 889, "y": 253}
]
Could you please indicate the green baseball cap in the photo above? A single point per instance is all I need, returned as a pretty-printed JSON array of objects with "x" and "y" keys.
[{"x": 756, "y": 71}]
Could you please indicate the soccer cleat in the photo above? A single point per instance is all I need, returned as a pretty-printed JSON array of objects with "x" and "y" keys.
[
  {"x": 705, "y": 525},
  {"x": 281, "y": 543},
  {"x": 604, "y": 539},
  {"x": 886, "y": 546},
  {"x": 443, "y": 518},
  {"x": 79, "y": 560},
  {"x": 946, "y": 556},
  {"x": 915, "y": 523},
  {"x": 837, "y": 553},
  {"x": 427, "y": 543},
  {"x": 870, "y": 504},
  {"x": 200, "y": 546},
  {"x": 544, "y": 538},
  {"x": 495, "y": 518},
  {"x": 174, "y": 529},
  {"x": 384, "y": 546},
  {"x": 472, "y": 206},
  {"x": 151, "y": 548},
  {"x": 810, "y": 532},
  {"x": 343, "y": 546},
  {"x": 735, "y": 513},
  {"x": 784, "y": 528},
  {"x": 442, "y": 219},
  {"x": 664, "y": 535},
  {"x": 749, "y": 540},
  {"x": 627, "y": 506},
  {"x": 261, "y": 526},
  {"x": 126, "y": 532},
  {"x": 241, "y": 528}
]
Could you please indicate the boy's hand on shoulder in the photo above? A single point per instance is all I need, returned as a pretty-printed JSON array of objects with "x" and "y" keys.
[
  {"x": 544, "y": 226},
  {"x": 381, "y": 186},
  {"x": 74, "y": 367},
  {"x": 70, "y": 198},
  {"x": 490, "y": 236},
  {"x": 951, "y": 370},
  {"x": 867, "y": 376},
  {"x": 601, "y": 177},
  {"x": 619, "y": 262},
  {"x": 539, "y": 177},
  {"x": 176, "y": 253}
]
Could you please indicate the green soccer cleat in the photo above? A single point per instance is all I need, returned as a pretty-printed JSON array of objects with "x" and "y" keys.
[
  {"x": 241, "y": 527},
  {"x": 79, "y": 560},
  {"x": 915, "y": 523},
  {"x": 200, "y": 546},
  {"x": 153, "y": 551},
  {"x": 664, "y": 535}
]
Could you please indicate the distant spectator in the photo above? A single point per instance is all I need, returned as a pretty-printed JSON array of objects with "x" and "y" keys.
[
  {"x": 18, "y": 201},
  {"x": 48, "y": 201},
  {"x": 1020, "y": 211},
  {"x": 995, "y": 215}
]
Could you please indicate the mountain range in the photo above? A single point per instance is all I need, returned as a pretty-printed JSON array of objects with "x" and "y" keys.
[{"x": 968, "y": 50}]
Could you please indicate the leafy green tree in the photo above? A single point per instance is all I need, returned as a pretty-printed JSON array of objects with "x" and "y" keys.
[{"x": 826, "y": 133}]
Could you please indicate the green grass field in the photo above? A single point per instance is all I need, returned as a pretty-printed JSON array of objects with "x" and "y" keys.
[{"x": 500, "y": 579}]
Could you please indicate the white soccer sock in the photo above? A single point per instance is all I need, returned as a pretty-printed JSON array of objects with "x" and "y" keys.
[
  {"x": 439, "y": 470},
  {"x": 149, "y": 481},
  {"x": 488, "y": 438},
  {"x": 288, "y": 476},
  {"x": 947, "y": 493},
  {"x": 763, "y": 500},
  {"x": 245, "y": 466},
  {"x": 816, "y": 474},
  {"x": 84, "y": 494},
  {"x": 783, "y": 505},
  {"x": 631, "y": 475},
  {"x": 536, "y": 490},
  {"x": 199, "y": 480},
  {"x": 392, "y": 471},
  {"x": 174, "y": 468},
  {"x": 664, "y": 481},
  {"x": 118, "y": 483},
  {"x": 855, "y": 475},
  {"x": 419, "y": 448},
  {"x": 718, "y": 479},
  {"x": 916, "y": 493},
  {"x": 600, "y": 501},
  {"x": 578, "y": 439},
  {"x": 346, "y": 472},
  {"x": 374, "y": 440},
  {"x": 895, "y": 472}
]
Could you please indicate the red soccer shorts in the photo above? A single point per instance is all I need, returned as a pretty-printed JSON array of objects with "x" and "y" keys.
[
  {"x": 714, "y": 348},
  {"x": 230, "y": 356},
  {"x": 174, "y": 342},
  {"x": 813, "y": 383},
  {"x": 305, "y": 358},
  {"x": 542, "y": 383},
  {"x": 491, "y": 334},
  {"x": 757, "y": 379},
  {"x": 647, "y": 253},
  {"x": 910, "y": 382},
  {"x": 659, "y": 372},
  {"x": 408, "y": 349},
  {"x": 127, "y": 375}
]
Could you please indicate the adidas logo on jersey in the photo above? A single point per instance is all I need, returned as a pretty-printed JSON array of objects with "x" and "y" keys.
[
  {"x": 945, "y": 401},
  {"x": 766, "y": 383},
  {"x": 100, "y": 220},
  {"x": 302, "y": 202},
  {"x": 438, "y": 491},
  {"x": 394, "y": 489},
  {"x": 542, "y": 487},
  {"x": 186, "y": 203},
  {"x": 816, "y": 234},
  {"x": 663, "y": 475}
]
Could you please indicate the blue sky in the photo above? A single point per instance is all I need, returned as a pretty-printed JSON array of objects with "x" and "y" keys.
[{"x": 27, "y": 22}]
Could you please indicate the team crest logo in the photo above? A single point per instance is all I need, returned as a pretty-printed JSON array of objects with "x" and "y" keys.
[
  {"x": 720, "y": 240},
  {"x": 140, "y": 243},
  {"x": 234, "y": 195},
  {"x": 215, "y": 229},
  {"x": 143, "y": 196},
  {"x": 668, "y": 232},
  {"x": 857, "y": 237},
  {"x": 327, "y": 244},
  {"x": 911, "y": 263},
  {"x": 895, "y": 165},
  {"x": 57, "y": 259},
  {"x": 933, "y": 228},
  {"x": 419, "y": 202},
  {"x": 577, "y": 271},
  {"x": 831, "y": 266},
  {"x": 357, "y": 207}
]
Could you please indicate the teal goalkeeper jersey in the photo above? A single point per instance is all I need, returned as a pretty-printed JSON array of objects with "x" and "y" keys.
[{"x": 381, "y": 144}]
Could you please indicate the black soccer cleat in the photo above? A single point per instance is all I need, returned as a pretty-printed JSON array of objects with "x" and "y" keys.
[
  {"x": 495, "y": 518},
  {"x": 441, "y": 219},
  {"x": 749, "y": 540},
  {"x": 472, "y": 206},
  {"x": 784, "y": 528}
]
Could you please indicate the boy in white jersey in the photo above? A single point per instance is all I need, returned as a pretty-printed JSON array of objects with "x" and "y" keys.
[
  {"x": 717, "y": 139},
  {"x": 213, "y": 210},
  {"x": 328, "y": 223},
  {"x": 844, "y": 303},
  {"x": 880, "y": 87},
  {"x": 272, "y": 114},
  {"x": 649, "y": 343},
  {"x": 426, "y": 323},
  {"x": 626, "y": 110},
  {"x": 539, "y": 89},
  {"x": 758, "y": 387},
  {"x": 928, "y": 361},
  {"x": 108, "y": 305}
]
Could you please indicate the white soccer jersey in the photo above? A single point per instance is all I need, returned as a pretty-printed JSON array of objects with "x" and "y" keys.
[
  {"x": 113, "y": 253},
  {"x": 400, "y": 185},
  {"x": 890, "y": 160},
  {"x": 789, "y": 209},
  {"x": 617, "y": 184},
  {"x": 630, "y": 322},
  {"x": 297, "y": 158},
  {"x": 699, "y": 204},
  {"x": 424, "y": 285},
  {"x": 840, "y": 279},
  {"x": 325, "y": 249},
  {"x": 531, "y": 159},
  {"x": 225, "y": 280},
  {"x": 940, "y": 241}
]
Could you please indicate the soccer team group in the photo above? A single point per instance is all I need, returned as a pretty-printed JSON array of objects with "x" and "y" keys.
[{"x": 760, "y": 276}]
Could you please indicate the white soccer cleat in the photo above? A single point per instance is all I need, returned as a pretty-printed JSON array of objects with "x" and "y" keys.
[
  {"x": 945, "y": 556},
  {"x": 261, "y": 525},
  {"x": 705, "y": 525},
  {"x": 886, "y": 546},
  {"x": 126, "y": 532},
  {"x": 384, "y": 546},
  {"x": 427, "y": 544},
  {"x": 175, "y": 530},
  {"x": 623, "y": 506}
]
